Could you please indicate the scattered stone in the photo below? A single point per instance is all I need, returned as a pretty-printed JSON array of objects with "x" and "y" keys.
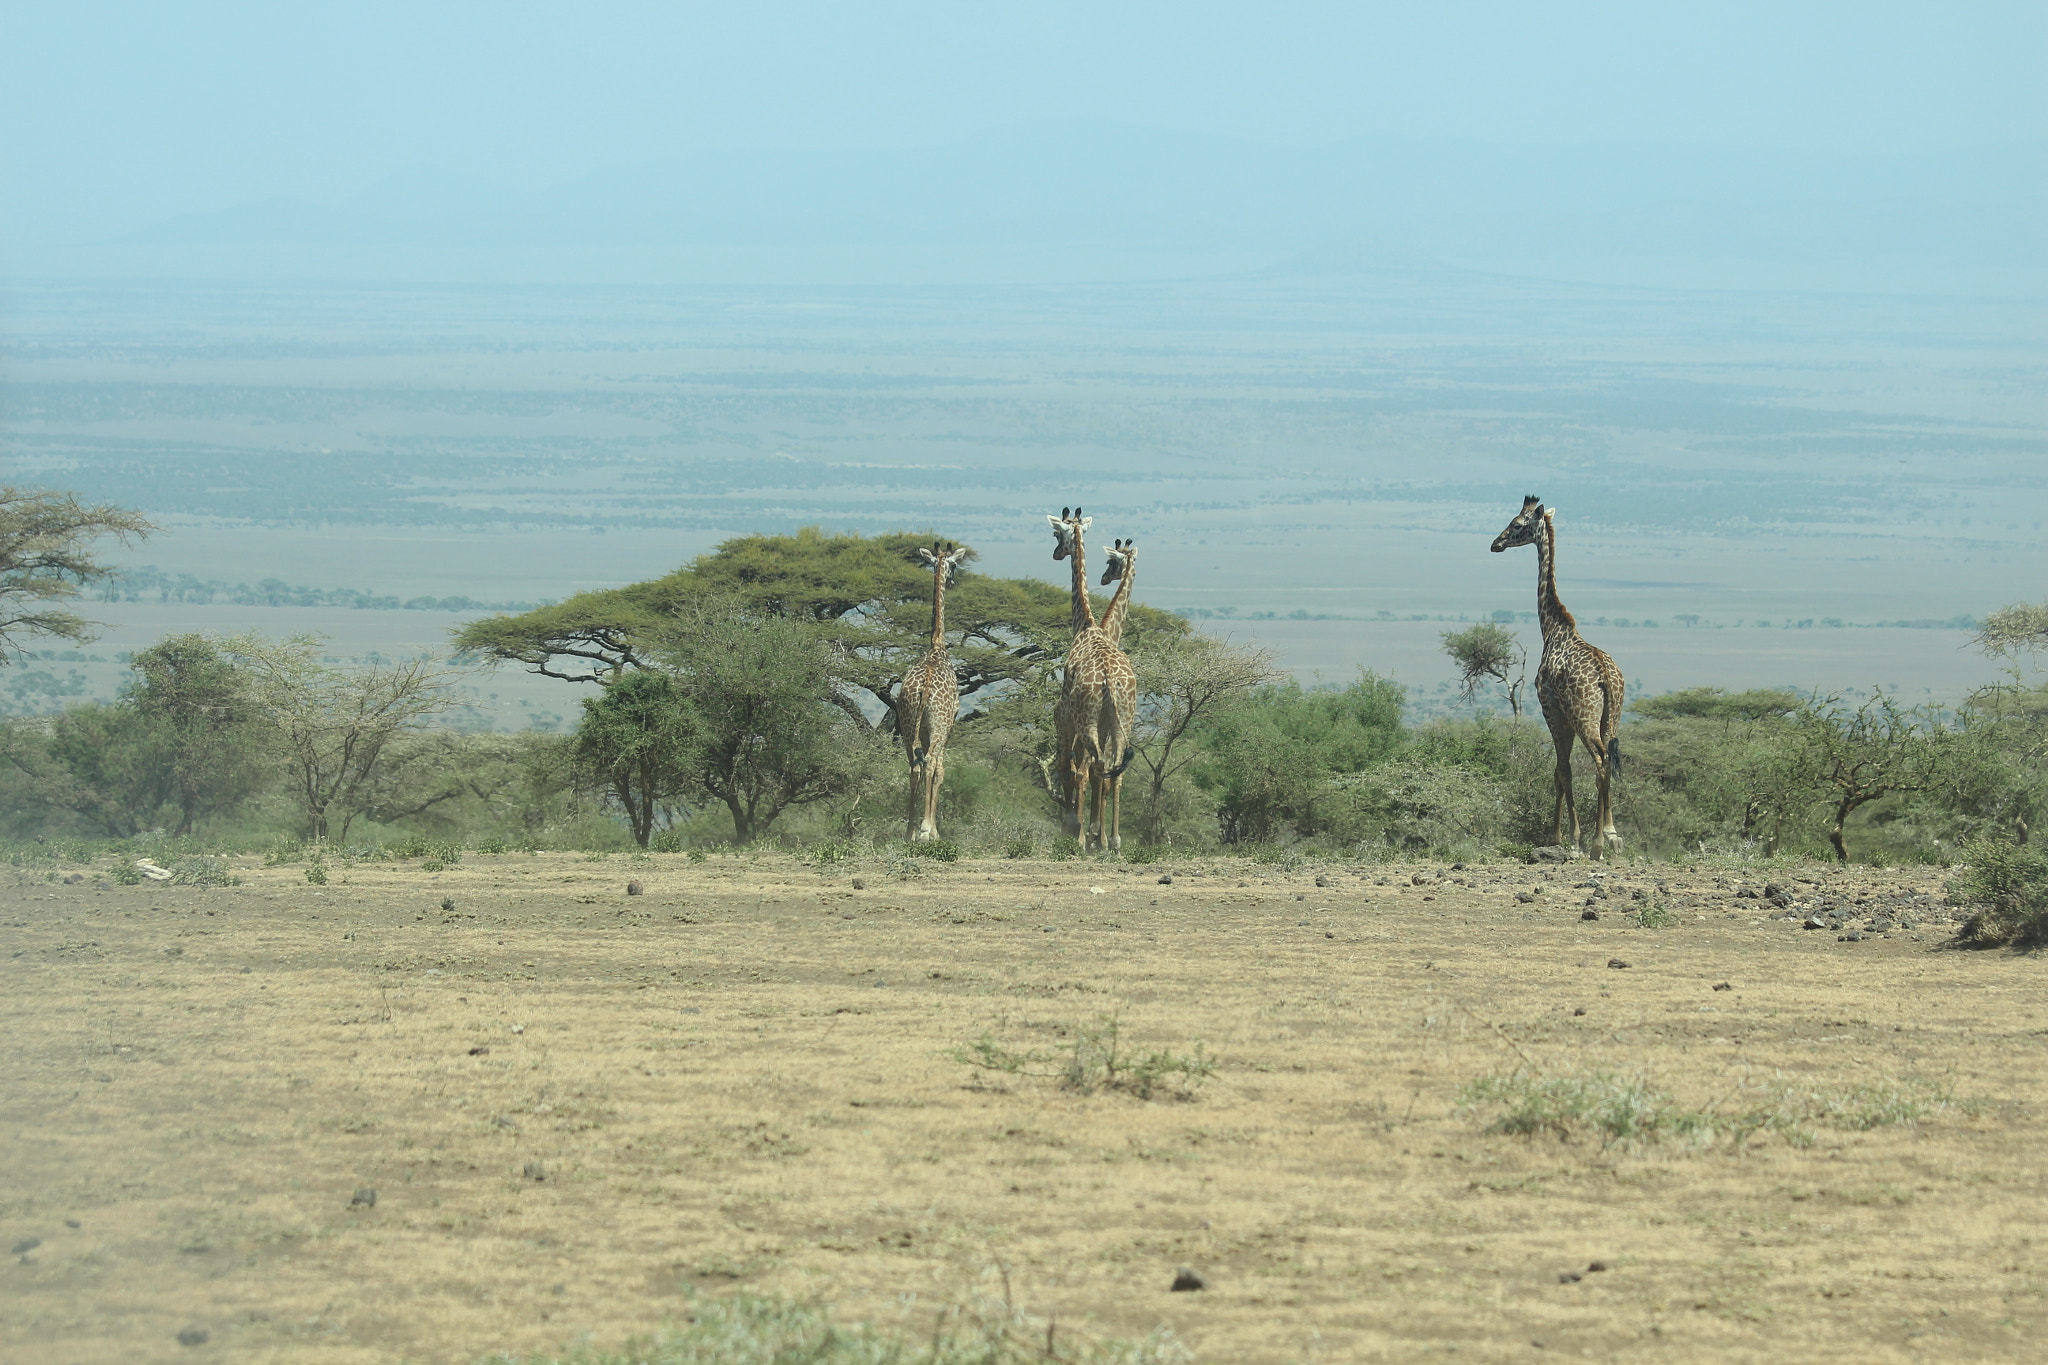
[
  {"x": 193, "y": 1336},
  {"x": 1589, "y": 914},
  {"x": 635, "y": 889},
  {"x": 1525, "y": 897},
  {"x": 1321, "y": 880},
  {"x": 1749, "y": 893},
  {"x": 1617, "y": 964},
  {"x": 859, "y": 885},
  {"x": 1301, "y": 898},
  {"x": 533, "y": 1170},
  {"x": 1570, "y": 1277},
  {"x": 1422, "y": 879},
  {"x": 1723, "y": 986},
  {"x": 1167, "y": 880},
  {"x": 73, "y": 1224},
  {"x": 1853, "y": 936},
  {"x": 1457, "y": 867},
  {"x": 1187, "y": 1280},
  {"x": 365, "y": 1198},
  {"x": 1814, "y": 922},
  {"x": 480, "y": 1050},
  {"x": 1579, "y": 1011},
  {"x": 26, "y": 1245},
  {"x": 1328, "y": 934},
  {"x": 1596, "y": 1267},
  {"x": 1553, "y": 853},
  {"x": 74, "y": 879}
]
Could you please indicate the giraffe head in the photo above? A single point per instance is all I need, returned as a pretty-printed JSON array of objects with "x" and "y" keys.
[
  {"x": 1527, "y": 525},
  {"x": 947, "y": 556},
  {"x": 1066, "y": 530},
  {"x": 1120, "y": 560}
]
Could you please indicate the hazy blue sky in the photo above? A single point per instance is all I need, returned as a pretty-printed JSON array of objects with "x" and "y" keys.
[{"x": 118, "y": 114}]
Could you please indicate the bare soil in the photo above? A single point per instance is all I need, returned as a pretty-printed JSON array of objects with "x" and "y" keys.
[{"x": 576, "y": 1108}]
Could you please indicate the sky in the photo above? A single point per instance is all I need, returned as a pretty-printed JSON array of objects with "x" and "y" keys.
[{"x": 117, "y": 115}]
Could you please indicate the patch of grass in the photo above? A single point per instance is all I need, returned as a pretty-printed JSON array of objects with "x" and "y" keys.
[
  {"x": 2008, "y": 885},
  {"x": 1097, "y": 1059},
  {"x": 1064, "y": 848},
  {"x": 283, "y": 850},
  {"x": 1020, "y": 846},
  {"x": 202, "y": 871},
  {"x": 126, "y": 874},
  {"x": 745, "y": 1330},
  {"x": 491, "y": 843},
  {"x": 698, "y": 855},
  {"x": 1627, "y": 1109},
  {"x": 940, "y": 850},
  {"x": 1145, "y": 853},
  {"x": 1655, "y": 915},
  {"x": 904, "y": 866},
  {"x": 316, "y": 873}
]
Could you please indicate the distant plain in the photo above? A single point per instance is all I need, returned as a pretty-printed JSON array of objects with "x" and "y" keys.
[{"x": 1334, "y": 445}]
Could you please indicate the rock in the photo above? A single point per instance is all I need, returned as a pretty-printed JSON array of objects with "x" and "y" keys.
[
  {"x": 1322, "y": 880},
  {"x": 1814, "y": 922},
  {"x": 1617, "y": 964},
  {"x": 635, "y": 889},
  {"x": 1525, "y": 897},
  {"x": 1457, "y": 867},
  {"x": 1187, "y": 1281},
  {"x": 365, "y": 1198},
  {"x": 1723, "y": 986},
  {"x": 152, "y": 871},
  {"x": 1589, "y": 914},
  {"x": 1553, "y": 853},
  {"x": 1749, "y": 893},
  {"x": 74, "y": 879},
  {"x": 1853, "y": 936},
  {"x": 73, "y": 1224},
  {"x": 1422, "y": 879},
  {"x": 859, "y": 885},
  {"x": 1579, "y": 1011},
  {"x": 26, "y": 1245},
  {"x": 1301, "y": 898},
  {"x": 533, "y": 1170},
  {"x": 480, "y": 1050},
  {"x": 1570, "y": 1277},
  {"x": 1596, "y": 1267},
  {"x": 1167, "y": 880},
  {"x": 193, "y": 1336}
]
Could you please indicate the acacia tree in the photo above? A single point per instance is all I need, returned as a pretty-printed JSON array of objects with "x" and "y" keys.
[
  {"x": 1852, "y": 758},
  {"x": 212, "y": 730},
  {"x": 46, "y": 557},
  {"x": 334, "y": 723},
  {"x": 108, "y": 763},
  {"x": 636, "y": 742},
  {"x": 768, "y": 735},
  {"x": 1488, "y": 650},
  {"x": 1185, "y": 681}
]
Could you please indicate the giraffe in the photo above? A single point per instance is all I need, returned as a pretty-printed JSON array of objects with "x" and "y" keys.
[
  {"x": 1579, "y": 686},
  {"x": 929, "y": 701},
  {"x": 1122, "y": 568},
  {"x": 1097, "y": 707}
]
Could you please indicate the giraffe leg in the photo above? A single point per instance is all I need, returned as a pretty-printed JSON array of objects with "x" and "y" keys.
[
  {"x": 934, "y": 781},
  {"x": 1601, "y": 775},
  {"x": 1561, "y": 785},
  {"x": 916, "y": 798}
]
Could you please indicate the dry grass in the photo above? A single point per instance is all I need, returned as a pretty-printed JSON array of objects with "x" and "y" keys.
[{"x": 583, "y": 1114}]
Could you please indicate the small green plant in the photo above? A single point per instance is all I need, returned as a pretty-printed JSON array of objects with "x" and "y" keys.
[
  {"x": 126, "y": 874},
  {"x": 904, "y": 866},
  {"x": 939, "y": 850},
  {"x": 1097, "y": 1059},
  {"x": 412, "y": 846},
  {"x": 283, "y": 850},
  {"x": 491, "y": 843},
  {"x": 316, "y": 873},
  {"x": 433, "y": 865},
  {"x": 593, "y": 857},
  {"x": 698, "y": 855},
  {"x": 2007, "y": 883},
  {"x": 1065, "y": 847},
  {"x": 1655, "y": 915},
  {"x": 831, "y": 853},
  {"x": 201, "y": 871},
  {"x": 741, "y": 1329},
  {"x": 1145, "y": 853},
  {"x": 447, "y": 905},
  {"x": 1020, "y": 846}
]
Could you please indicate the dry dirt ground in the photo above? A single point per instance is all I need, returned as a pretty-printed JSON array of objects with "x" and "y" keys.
[{"x": 577, "y": 1107}]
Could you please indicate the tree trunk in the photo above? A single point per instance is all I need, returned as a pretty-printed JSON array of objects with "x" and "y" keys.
[{"x": 742, "y": 822}]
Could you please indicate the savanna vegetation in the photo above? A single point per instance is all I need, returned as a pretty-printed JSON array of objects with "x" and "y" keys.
[{"x": 751, "y": 695}]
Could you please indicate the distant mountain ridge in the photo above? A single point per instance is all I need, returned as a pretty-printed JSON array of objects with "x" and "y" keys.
[{"x": 1413, "y": 202}]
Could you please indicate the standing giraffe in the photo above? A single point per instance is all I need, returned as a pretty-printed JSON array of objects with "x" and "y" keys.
[
  {"x": 1579, "y": 686},
  {"x": 930, "y": 701},
  {"x": 1097, "y": 707},
  {"x": 1121, "y": 570}
]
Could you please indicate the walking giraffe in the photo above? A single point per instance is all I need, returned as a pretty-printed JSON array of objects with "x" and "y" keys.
[
  {"x": 929, "y": 701},
  {"x": 1098, "y": 704},
  {"x": 1579, "y": 686}
]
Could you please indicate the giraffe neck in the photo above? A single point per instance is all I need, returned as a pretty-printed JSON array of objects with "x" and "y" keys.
[
  {"x": 1084, "y": 613},
  {"x": 1120, "y": 605},
  {"x": 939, "y": 606},
  {"x": 1550, "y": 612}
]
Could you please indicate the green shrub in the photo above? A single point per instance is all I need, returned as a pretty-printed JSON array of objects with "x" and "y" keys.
[
  {"x": 1654, "y": 915},
  {"x": 201, "y": 871},
  {"x": 668, "y": 840},
  {"x": 412, "y": 846},
  {"x": 1145, "y": 853},
  {"x": 1064, "y": 848},
  {"x": 698, "y": 855},
  {"x": 2007, "y": 883},
  {"x": 491, "y": 843},
  {"x": 1097, "y": 1059},
  {"x": 283, "y": 850},
  {"x": 939, "y": 850},
  {"x": 317, "y": 874},
  {"x": 126, "y": 874},
  {"x": 1020, "y": 846}
]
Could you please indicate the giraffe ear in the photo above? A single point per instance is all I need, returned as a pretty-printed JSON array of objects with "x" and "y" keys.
[
  {"x": 1055, "y": 521},
  {"x": 958, "y": 557},
  {"x": 1087, "y": 522},
  {"x": 929, "y": 557}
]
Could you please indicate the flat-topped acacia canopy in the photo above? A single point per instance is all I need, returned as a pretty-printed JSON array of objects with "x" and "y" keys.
[{"x": 870, "y": 596}]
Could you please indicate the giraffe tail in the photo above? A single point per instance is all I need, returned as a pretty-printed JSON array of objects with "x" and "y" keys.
[
  {"x": 1118, "y": 770},
  {"x": 917, "y": 757},
  {"x": 1614, "y": 756}
]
